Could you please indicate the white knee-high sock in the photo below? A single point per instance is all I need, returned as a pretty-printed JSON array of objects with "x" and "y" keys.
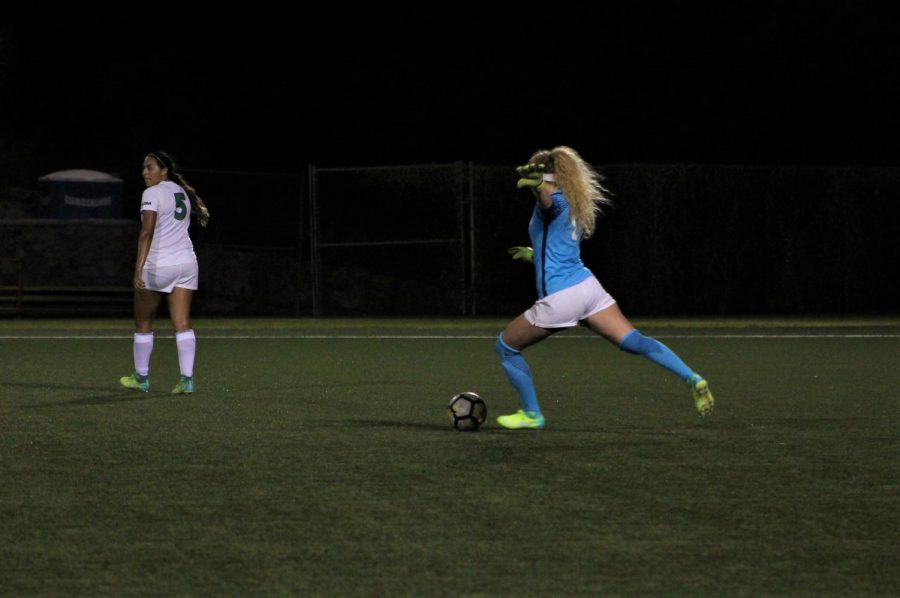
[
  {"x": 143, "y": 348},
  {"x": 187, "y": 348}
]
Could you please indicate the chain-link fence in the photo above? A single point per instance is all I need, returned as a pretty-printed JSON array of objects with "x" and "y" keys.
[{"x": 431, "y": 240}]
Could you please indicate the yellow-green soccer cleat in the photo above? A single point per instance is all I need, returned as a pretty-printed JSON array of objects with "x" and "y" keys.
[
  {"x": 136, "y": 381},
  {"x": 520, "y": 419},
  {"x": 185, "y": 386},
  {"x": 703, "y": 397}
]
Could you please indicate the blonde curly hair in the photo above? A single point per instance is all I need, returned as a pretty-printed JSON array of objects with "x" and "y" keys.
[{"x": 579, "y": 182}]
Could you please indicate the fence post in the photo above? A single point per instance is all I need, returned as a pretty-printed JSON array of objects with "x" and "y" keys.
[{"x": 315, "y": 266}]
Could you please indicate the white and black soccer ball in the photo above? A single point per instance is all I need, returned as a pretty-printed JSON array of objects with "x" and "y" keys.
[{"x": 467, "y": 411}]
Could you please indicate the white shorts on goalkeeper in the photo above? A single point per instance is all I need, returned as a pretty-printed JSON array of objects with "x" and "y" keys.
[
  {"x": 164, "y": 279},
  {"x": 565, "y": 308}
]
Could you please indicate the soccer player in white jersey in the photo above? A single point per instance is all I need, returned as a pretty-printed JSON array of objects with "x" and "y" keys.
[
  {"x": 568, "y": 195},
  {"x": 165, "y": 265}
]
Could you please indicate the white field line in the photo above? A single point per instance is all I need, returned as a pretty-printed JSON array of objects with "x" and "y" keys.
[{"x": 213, "y": 336}]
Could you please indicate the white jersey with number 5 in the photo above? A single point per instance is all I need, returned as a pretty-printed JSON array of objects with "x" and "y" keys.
[{"x": 171, "y": 244}]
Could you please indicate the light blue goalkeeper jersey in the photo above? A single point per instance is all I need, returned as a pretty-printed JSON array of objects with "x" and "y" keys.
[{"x": 557, "y": 247}]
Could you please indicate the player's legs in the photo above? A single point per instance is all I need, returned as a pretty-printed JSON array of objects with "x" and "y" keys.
[
  {"x": 180, "y": 308},
  {"x": 146, "y": 303},
  {"x": 550, "y": 314},
  {"x": 612, "y": 325},
  {"x": 519, "y": 334},
  {"x": 185, "y": 340}
]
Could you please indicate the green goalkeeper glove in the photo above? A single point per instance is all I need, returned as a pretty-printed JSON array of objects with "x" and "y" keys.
[
  {"x": 526, "y": 254},
  {"x": 532, "y": 176}
]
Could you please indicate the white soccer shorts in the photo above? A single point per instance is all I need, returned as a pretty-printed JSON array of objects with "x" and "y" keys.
[
  {"x": 165, "y": 278},
  {"x": 565, "y": 308}
]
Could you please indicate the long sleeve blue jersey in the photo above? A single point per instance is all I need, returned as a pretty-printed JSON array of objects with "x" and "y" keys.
[{"x": 557, "y": 247}]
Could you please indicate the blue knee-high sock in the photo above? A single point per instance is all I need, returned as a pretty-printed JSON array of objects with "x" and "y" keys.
[
  {"x": 519, "y": 375},
  {"x": 645, "y": 346}
]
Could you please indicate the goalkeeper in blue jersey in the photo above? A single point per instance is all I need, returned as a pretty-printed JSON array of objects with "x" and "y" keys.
[{"x": 568, "y": 196}]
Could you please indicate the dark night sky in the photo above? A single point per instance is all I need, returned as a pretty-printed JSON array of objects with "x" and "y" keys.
[{"x": 741, "y": 83}]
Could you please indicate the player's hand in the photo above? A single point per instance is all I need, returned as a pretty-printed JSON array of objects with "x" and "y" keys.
[
  {"x": 532, "y": 175},
  {"x": 526, "y": 254}
]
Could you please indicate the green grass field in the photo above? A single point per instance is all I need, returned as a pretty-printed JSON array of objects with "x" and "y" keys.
[{"x": 316, "y": 458}]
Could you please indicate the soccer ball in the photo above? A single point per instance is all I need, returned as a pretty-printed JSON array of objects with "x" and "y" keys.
[{"x": 467, "y": 411}]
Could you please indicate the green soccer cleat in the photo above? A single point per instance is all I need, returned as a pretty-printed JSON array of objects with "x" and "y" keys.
[
  {"x": 185, "y": 386},
  {"x": 136, "y": 381},
  {"x": 521, "y": 419},
  {"x": 703, "y": 397}
]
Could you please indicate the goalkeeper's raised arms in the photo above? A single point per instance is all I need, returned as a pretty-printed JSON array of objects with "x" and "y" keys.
[
  {"x": 526, "y": 254},
  {"x": 532, "y": 175}
]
